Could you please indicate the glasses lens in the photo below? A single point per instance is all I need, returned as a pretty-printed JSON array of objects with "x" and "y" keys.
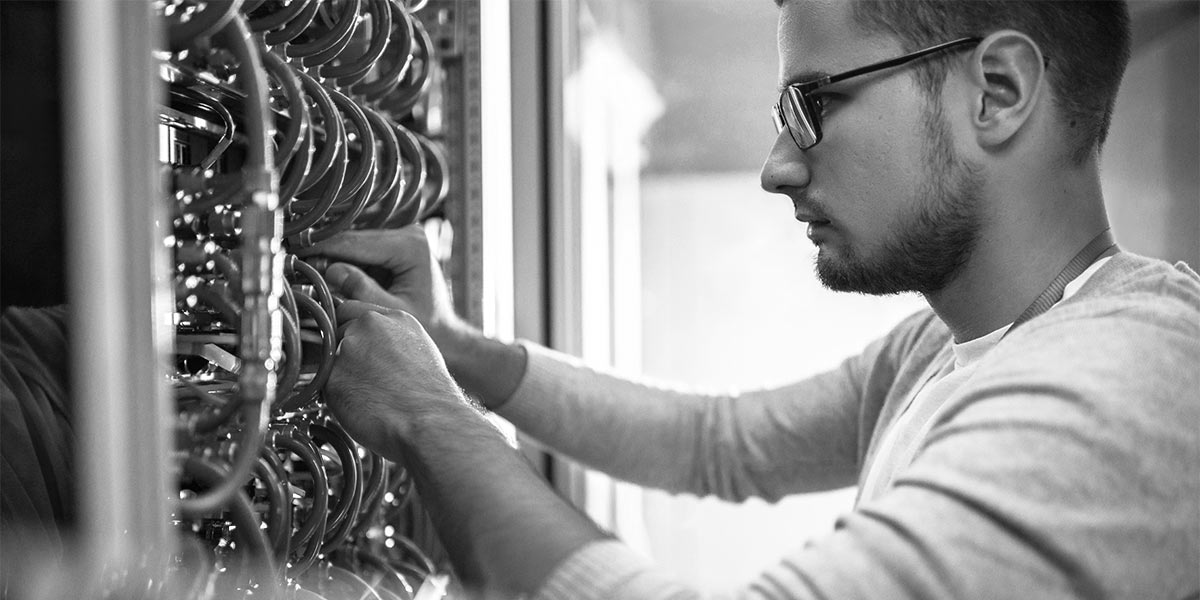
[
  {"x": 777, "y": 118},
  {"x": 805, "y": 128}
]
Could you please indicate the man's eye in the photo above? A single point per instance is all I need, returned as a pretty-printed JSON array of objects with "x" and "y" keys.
[{"x": 820, "y": 103}]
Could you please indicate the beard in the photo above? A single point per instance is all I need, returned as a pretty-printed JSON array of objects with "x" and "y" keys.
[{"x": 931, "y": 244}]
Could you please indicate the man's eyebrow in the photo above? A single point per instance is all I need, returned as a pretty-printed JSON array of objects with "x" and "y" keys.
[{"x": 802, "y": 77}]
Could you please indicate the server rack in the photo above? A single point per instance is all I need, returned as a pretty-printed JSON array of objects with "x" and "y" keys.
[{"x": 203, "y": 138}]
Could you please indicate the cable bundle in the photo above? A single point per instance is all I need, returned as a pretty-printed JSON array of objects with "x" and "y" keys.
[{"x": 286, "y": 122}]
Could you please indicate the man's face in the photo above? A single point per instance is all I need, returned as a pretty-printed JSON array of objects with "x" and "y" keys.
[{"x": 890, "y": 206}]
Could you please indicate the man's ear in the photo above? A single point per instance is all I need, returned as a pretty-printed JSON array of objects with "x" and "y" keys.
[{"x": 1008, "y": 75}]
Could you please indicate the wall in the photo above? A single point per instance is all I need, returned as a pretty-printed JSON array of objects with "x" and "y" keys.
[
  {"x": 730, "y": 301},
  {"x": 1151, "y": 162}
]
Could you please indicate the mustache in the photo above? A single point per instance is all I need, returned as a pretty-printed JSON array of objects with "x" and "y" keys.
[{"x": 804, "y": 204}]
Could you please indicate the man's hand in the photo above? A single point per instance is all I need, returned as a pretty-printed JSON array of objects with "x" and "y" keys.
[
  {"x": 489, "y": 369},
  {"x": 392, "y": 393},
  {"x": 387, "y": 373},
  {"x": 416, "y": 287}
]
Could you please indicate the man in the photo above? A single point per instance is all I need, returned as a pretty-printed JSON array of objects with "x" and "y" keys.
[{"x": 1032, "y": 436}]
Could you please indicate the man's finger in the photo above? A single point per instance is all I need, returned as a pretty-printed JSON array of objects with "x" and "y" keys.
[
  {"x": 353, "y": 309},
  {"x": 363, "y": 247},
  {"x": 354, "y": 284},
  {"x": 387, "y": 248}
]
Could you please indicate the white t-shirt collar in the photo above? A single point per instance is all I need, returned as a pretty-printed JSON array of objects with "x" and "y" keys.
[{"x": 971, "y": 351}]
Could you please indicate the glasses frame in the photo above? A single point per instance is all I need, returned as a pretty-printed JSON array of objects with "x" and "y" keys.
[{"x": 808, "y": 115}]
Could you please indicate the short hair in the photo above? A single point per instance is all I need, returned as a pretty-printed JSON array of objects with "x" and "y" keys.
[{"x": 1087, "y": 43}]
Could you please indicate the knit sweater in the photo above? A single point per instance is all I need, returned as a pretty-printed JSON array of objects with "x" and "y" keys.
[{"x": 1066, "y": 466}]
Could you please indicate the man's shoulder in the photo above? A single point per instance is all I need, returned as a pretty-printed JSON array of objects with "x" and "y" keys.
[
  {"x": 1130, "y": 279},
  {"x": 1131, "y": 299},
  {"x": 1133, "y": 331},
  {"x": 1134, "y": 311}
]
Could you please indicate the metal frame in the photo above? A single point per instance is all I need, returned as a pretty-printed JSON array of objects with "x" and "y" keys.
[
  {"x": 120, "y": 302},
  {"x": 563, "y": 213},
  {"x": 456, "y": 33}
]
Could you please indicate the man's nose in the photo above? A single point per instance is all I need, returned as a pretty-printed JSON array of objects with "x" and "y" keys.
[{"x": 786, "y": 167}]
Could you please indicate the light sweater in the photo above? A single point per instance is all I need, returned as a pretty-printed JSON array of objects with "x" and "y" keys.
[
  {"x": 902, "y": 439},
  {"x": 1066, "y": 466}
]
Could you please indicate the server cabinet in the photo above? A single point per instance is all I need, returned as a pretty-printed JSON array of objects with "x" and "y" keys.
[{"x": 205, "y": 144}]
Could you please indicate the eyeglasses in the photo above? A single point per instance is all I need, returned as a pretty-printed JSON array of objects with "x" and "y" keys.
[{"x": 800, "y": 113}]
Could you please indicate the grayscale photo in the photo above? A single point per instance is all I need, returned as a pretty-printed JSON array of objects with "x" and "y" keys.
[{"x": 600, "y": 300}]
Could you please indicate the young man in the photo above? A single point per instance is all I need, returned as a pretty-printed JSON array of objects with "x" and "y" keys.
[{"x": 1033, "y": 435}]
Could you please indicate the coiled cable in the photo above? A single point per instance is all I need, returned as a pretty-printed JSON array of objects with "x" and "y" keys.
[
  {"x": 292, "y": 353},
  {"x": 350, "y": 71},
  {"x": 269, "y": 470},
  {"x": 349, "y": 499},
  {"x": 296, "y": 266},
  {"x": 275, "y": 19},
  {"x": 390, "y": 184},
  {"x": 294, "y": 27},
  {"x": 413, "y": 160},
  {"x": 437, "y": 180},
  {"x": 358, "y": 189},
  {"x": 372, "y": 495},
  {"x": 329, "y": 166},
  {"x": 297, "y": 119},
  {"x": 397, "y": 58},
  {"x": 417, "y": 78},
  {"x": 289, "y": 438},
  {"x": 333, "y": 76},
  {"x": 326, "y": 45},
  {"x": 307, "y": 393}
]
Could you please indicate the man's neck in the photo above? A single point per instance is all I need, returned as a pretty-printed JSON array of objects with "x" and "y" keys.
[{"x": 1015, "y": 261}]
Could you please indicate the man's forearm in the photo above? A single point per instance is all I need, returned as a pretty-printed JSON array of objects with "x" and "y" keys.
[
  {"x": 504, "y": 529},
  {"x": 488, "y": 369}
]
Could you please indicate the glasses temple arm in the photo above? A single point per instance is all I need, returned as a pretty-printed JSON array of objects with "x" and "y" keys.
[{"x": 879, "y": 66}]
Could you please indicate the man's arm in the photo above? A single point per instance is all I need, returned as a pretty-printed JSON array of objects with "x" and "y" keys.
[
  {"x": 504, "y": 529},
  {"x": 766, "y": 443},
  {"x": 1030, "y": 487},
  {"x": 1066, "y": 468}
]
